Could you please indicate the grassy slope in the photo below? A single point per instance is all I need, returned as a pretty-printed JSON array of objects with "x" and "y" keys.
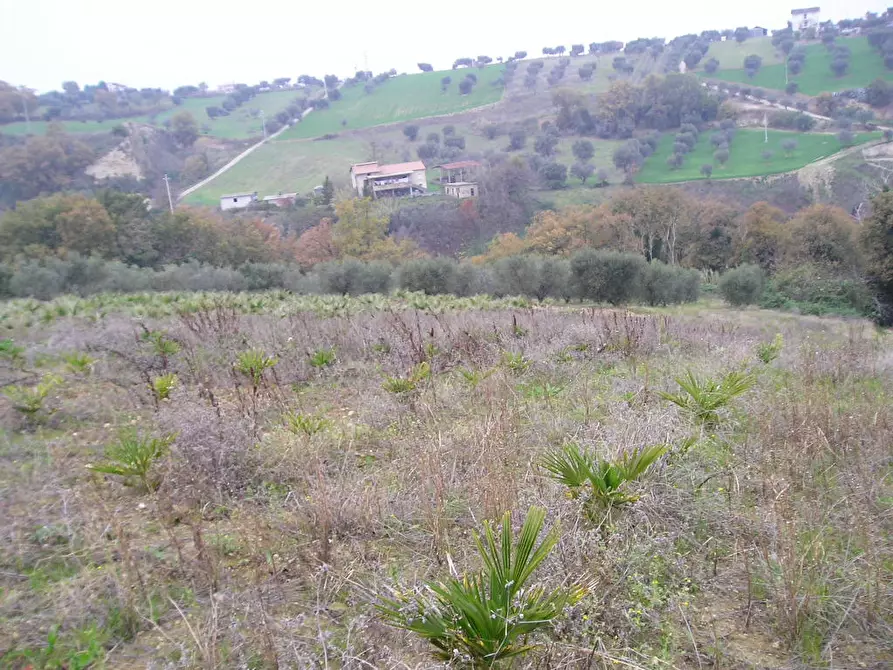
[
  {"x": 745, "y": 158},
  {"x": 242, "y": 123},
  {"x": 402, "y": 98},
  {"x": 865, "y": 66}
]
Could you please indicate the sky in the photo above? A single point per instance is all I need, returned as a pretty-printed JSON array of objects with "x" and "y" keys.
[{"x": 167, "y": 43}]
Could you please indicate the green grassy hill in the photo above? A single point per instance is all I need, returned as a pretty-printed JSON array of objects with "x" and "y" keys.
[
  {"x": 866, "y": 65},
  {"x": 745, "y": 159},
  {"x": 402, "y": 98}
]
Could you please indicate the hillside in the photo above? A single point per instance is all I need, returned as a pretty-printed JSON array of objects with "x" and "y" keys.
[
  {"x": 866, "y": 65},
  {"x": 292, "y": 162}
]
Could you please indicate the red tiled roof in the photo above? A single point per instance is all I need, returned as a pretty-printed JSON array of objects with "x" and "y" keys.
[
  {"x": 364, "y": 168},
  {"x": 459, "y": 165}
]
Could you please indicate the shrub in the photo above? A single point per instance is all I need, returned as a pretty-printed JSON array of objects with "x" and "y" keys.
[
  {"x": 429, "y": 275},
  {"x": 664, "y": 284},
  {"x": 516, "y": 275},
  {"x": 352, "y": 277},
  {"x": 489, "y": 615},
  {"x": 28, "y": 400},
  {"x": 769, "y": 351},
  {"x": 742, "y": 285},
  {"x": 323, "y": 357},
  {"x": 304, "y": 424},
  {"x": 163, "y": 385},
  {"x": 607, "y": 276}
]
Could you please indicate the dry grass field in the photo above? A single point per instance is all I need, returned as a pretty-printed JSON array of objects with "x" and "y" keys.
[{"x": 314, "y": 457}]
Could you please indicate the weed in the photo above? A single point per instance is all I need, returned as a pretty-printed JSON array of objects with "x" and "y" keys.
[
  {"x": 409, "y": 383},
  {"x": 323, "y": 358},
  {"x": 769, "y": 351},
  {"x": 474, "y": 377},
  {"x": 517, "y": 363},
  {"x": 78, "y": 363},
  {"x": 163, "y": 385},
  {"x": 703, "y": 399},
  {"x": 162, "y": 346},
  {"x": 486, "y": 617},
  {"x": 252, "y": 363},
  {"x": 304, "y": 424},
  {"x": 542, "y": 391},
  {"x": 28, "y": 400},
  {"x": 133, "y": 456},
  {"x": 12, "y": 352},
  {"x": 79, "y": 650},
  {"x": 576, "y": 468}
]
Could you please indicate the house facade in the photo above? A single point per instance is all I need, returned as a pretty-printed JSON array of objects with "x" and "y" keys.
[
  {"x": 237, "y": 200},
  {"x": 395, "y": 181},
  {"x": 803, "y": 19},
  {"x": 459, "y": 179},
  {"x": 281, "y": 199}
]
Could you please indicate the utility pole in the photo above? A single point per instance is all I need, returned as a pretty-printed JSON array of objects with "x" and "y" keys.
[
  {"x": 170, "y": 200},
  {"x": 263, "y": 122}
]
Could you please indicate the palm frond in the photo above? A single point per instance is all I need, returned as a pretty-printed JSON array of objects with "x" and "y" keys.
[{"x": 569, "y": 465}]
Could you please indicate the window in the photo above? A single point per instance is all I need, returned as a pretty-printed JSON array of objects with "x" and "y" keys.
[{"x": 472, "y": 190}]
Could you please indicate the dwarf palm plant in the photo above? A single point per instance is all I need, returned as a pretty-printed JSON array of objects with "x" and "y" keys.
[
  {"x": 404, "y": 385},
  {"x": 482, "y": 618},
  {"x": 703, "y": 399},
  {"x": 78, "y": 362},
  {"x": 252, "y": 363},
  {"x": 28, "y": 400},
  {"x": 602, "y": 482},
  {"x": 304, "y": 424},
  {"x": 133, "y": 455},
  {"x": 323, "y": 358},
  {"x": 162, "y": 385},
  {"x": 769, "y": 351}
]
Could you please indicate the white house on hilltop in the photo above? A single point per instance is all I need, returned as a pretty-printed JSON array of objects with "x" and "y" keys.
[{"x": 803, "y": 19}]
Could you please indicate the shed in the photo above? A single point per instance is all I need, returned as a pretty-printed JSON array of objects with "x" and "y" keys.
[{"x": 237, "y": 200}]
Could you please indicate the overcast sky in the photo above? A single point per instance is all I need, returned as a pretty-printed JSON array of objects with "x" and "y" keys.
[{"x": 166, "y": 43}]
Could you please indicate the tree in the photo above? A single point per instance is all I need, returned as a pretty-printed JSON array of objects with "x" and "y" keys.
[
  {"x": 839, "y": 66},
  {"x": 184, "y": 128},
  {"x": 328, "y": 192},
  {"x": 583, "y": 150},
  {"x": 577, "y": 49},
  {"x": 43, "y": 164},
  {"x": 545, "y": 145},
  {"x": 465, "y": 86},
  {"x": 675, "y": 161},
  {"x": 877, "y": 243},
  {"x": 826, "y": 236},
  {"x": 520, "y": 55},
  {"x": 361, "y": 233},
  {"x": 517, "y": 139},
  {"x": 721, "y": 156},
  {"x": 560, "y": 50},
  {"x": 767, "y": 154},
  {"x": 752, "y": 63},
  {"x": 792, "y": 88},
  {"x": 411, "y": 132},
  {"x": 795, "y": 67},
  {"x": 448, "y": 130},
  {"x": 707, "y": 170},
  {"x": 607, "y": 276},
  {"x": 789, "y": 146},
  {"x": 582, "y": 171},
  {"x": 628, "y": 157},
  {"x": 741, "y": 34},
  {"x": 846, "y": 138},
  {"x": 445, "y": 83},
  {"x": 692, "y": 58},
  {"x": 433, "y": 138},
  {"x": 743, "y": 285},
  {"x": 554, "y": 175},
  {"x": 711, "y": 66},
  {"x": 879, "y": 93},
  {"x": 426, "y": 67},
  {"x": 761, "y": 236},
  {"x": 586, "y": 71}
]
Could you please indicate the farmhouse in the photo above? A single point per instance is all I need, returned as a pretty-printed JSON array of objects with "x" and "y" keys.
[
  {"x": 758, "y": 31},
  {"x": 281, "y": 199},
  {"x": 803, "y": 19},
  {"x": 397, "y": 180},
  {"x": 237, "y": 200},
  {"x": 459, "y": 179}
]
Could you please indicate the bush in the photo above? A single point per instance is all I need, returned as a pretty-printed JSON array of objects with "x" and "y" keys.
[
  {"x": 516, "y": 275},
  {"x": 352, "y": 277},
  {"x": 664, "y": 284},
  {"x": 607, "y": 276},
  {"x": 813, "y": 290},
  {"x": 428, "y": 275},
  {"x": 743, "y": 285}
]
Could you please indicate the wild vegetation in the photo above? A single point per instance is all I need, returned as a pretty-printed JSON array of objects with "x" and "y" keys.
[{"x": 274, "y": 512}]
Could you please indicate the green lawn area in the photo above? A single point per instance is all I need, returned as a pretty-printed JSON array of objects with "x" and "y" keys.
[
  {"x": 285, "y": 166},
  {"x": 730, "y": 54},
  {"x": 745, "y": 158},
  {"x": 40, "y": 127},
  {"x": 866, "y": 65},
  {"x": 401, "y": 98},
  {"x": 242, "y": 123}
]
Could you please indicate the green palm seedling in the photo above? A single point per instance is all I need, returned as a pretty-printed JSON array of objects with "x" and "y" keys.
[
  {"x": 78, "y": 362},
  {"x": 409, "y": 383},
  {"x": 162, "y": 346},
  {"x": 163, "y": 385},
  {"x": 11, "y": 352},
  {"x": 133, "y": 455},
  {"x": 703, "y": 399},
  {"x": 28, "y": 400},
  {"x": 769, "y": 351},
  {"x": 322, "y": 358},
  {"x": 602, "y": 482},
  {"x": 474, "y": 377},
  {"x": 253, "y": 363},
  {"x": 304, "y": 424},
  {"x": 483, "y": 618},
  {"x": 518, "y": 363}
]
